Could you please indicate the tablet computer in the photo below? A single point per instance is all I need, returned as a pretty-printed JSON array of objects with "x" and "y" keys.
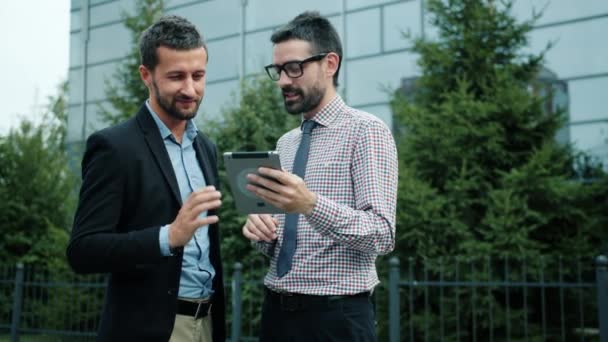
[{"x": 238, "y": 165}]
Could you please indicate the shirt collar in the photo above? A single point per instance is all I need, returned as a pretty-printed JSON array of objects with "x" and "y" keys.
[
  {"x": 327, "y": 115},
  {"x": 165, "y": 132}
]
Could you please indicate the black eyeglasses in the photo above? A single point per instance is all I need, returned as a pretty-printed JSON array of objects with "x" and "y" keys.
[{"x": 293, "y": 69}]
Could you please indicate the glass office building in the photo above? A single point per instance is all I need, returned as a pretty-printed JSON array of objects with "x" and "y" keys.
[{"x": 377, "y": 56}]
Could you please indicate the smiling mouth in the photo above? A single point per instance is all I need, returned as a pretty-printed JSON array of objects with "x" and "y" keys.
[
  {"x": 186, "y": 102},
  {"x": 290, "y": 95}
]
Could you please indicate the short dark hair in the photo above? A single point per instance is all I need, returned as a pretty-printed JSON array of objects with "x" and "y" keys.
[
  {"x": 313, "y": 28},
  {"x": 171, "y": 31}
]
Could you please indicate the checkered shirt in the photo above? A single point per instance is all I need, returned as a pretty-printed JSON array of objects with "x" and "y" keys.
[{"x": 352, "y": 168}]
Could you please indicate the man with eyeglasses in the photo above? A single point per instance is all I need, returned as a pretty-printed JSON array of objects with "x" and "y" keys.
[{"x": 339, "y": 190}]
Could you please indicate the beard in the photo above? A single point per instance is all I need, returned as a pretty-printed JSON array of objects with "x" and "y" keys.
[
  {"x": 305, "y": 102},
  {"x": 168, "y": 104}
]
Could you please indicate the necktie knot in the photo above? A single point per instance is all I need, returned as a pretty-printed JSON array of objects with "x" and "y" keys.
[{"x": 308, "y": 126}]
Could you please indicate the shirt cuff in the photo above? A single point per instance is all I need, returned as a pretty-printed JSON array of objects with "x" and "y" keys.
[
  {"x": 163, "y": 239},
  {"x": 323, "y": 215}
]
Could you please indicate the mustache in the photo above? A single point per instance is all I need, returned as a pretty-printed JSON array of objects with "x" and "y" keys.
[
  {"x": 185, "y": 98},
  {"x": 291, "y": 89}
]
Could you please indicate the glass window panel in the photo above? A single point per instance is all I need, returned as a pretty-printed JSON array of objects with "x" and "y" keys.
[
  {"x": 75, "y": 85},
  {"x": 559, "y": 10},
  {"x": 95, "y": 121},
  {"x": 258, "y": 52},
  {"x": 363, "y": 33},
  {"x": 588, "y": 99},
  {"x": 96, "y": 77},
  {"x": 341, "y": 80},
  {"x": 369, "y": 79},
  {"x": 223, "y": 59},
  {"x": 129, "y": 6},
  {"x": 95, "y": 2},
  {"x": 109, "y": 42},
  {"x": 355, "y": 4},
  {"x": 218, "y": 96},
  {"x": 574, "y": 53},
  {"x": 75, "y": 4},
  {"x": 381, "y": 111},
  {"x": 107, "y": 12},
  {"x": 338, "y": 23},
  {"x": 269, "y": 13},
  {"x": 75, "y": 21},
  {"x": 75, "y": 151},
  {"x": 213, "y": 18},
  {"x": 399, "y": 19},
  {"x": 76, "y": 46},
  {"x": 174, "y": 3},
  {"x": 592, "y": 138},
  {"x": 74, "y": 128}
]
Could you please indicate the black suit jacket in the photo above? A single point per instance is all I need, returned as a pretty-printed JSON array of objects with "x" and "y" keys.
[{"x": 128, "y": 192}]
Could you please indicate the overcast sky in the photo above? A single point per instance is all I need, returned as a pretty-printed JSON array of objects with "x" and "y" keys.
[{"x": 34, "y": 56}]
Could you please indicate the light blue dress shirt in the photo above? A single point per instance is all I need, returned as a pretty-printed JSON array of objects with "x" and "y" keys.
[{"x": 197, "y": 271}]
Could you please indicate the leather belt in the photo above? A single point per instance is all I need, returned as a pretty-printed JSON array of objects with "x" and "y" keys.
[
  {"x": 196, "y": 310},
  {"x": 302, "y": 302}
]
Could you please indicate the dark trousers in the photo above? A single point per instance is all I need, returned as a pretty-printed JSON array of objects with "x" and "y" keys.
[{"x": 307, "y": 318}]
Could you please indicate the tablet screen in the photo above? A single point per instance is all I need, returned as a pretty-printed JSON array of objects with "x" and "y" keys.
[{"x": 238, "y": 165}]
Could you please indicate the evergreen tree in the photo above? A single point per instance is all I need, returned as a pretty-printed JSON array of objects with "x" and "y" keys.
[
  {"x": 125, "y": 91},
  {"x": 482, "y": 175},
  {"x": 36, "y": 189}
]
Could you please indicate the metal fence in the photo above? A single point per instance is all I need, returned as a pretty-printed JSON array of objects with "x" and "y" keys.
[{"x": 451, "y": 299}]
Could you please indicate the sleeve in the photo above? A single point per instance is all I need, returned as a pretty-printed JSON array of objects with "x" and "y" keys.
[
  {"x": 370, "y": 226},
  {"x": 163, "y": 240},
  {"x": 266, "y": 248},
  {"x": 96, "y": 243}
]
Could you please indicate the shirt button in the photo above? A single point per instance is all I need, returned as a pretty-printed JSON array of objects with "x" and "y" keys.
[{"x": 170, "y": 292}]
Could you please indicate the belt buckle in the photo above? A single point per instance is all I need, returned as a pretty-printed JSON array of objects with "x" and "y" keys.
[{"x": 289, "y": 302}]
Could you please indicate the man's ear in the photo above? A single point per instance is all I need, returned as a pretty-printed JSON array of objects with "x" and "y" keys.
[
  {"x": 333, "y": 62},
  {"x": 146, "y": 75}
]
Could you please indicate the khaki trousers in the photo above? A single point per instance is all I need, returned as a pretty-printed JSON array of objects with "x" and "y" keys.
[{"x": 187, "y": 329}]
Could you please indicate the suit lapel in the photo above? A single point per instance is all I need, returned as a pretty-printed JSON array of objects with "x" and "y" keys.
[{"x": 159, "y": 151}]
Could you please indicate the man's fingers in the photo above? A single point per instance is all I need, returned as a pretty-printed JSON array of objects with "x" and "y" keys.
[
  {"x": 265, "y": 194},
  {"x": 265, "y": 182},
  {"x": 202, "y": 207},
  {"x": 207, "y": 220},
  {"x": 204, "y": 195},
  {"x": 256, "y": 226},
  {"x": 249, "y": 235},
  {"x": 280, "y": 175},
  {"x": 270, "y": 222}
]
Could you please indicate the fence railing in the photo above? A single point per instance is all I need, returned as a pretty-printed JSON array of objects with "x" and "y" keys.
[
  {"x": 506, "y": 300},
  {"x": 420, "y": 300}
]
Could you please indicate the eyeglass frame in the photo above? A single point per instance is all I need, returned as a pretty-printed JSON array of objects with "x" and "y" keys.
[{"x": 281, "y": 67}]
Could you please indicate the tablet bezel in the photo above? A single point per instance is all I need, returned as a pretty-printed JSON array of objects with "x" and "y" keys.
[{"x": 238, "y": 164}]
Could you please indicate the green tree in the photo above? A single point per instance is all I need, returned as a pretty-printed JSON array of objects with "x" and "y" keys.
[
  {"x": 125, "y": 91},
  {"x": 36, "y": 189},
  {"x": 481, "y": 173}
]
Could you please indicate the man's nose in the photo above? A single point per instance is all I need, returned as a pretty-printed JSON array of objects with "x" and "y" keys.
[
  {"x": 189, "y": 87},
  {"x": 284, "y": 79}
]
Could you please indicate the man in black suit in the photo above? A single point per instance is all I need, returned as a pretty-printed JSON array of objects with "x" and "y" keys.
[{"x": 147, "y": 209}]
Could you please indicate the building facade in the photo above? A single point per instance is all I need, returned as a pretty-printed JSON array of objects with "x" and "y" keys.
[{"x": 377, "y": 59}]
